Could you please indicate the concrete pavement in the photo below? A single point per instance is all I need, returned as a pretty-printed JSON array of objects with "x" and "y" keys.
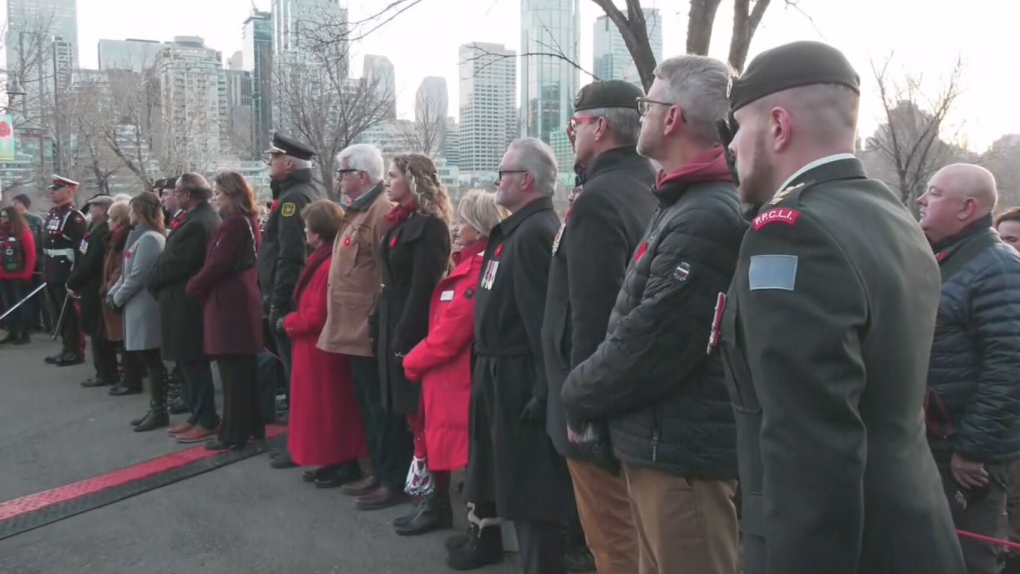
[{"x": 244, "y": 517}]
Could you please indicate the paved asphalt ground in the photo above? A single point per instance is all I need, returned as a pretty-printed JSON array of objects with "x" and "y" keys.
[{"x": 242, "y": 518}]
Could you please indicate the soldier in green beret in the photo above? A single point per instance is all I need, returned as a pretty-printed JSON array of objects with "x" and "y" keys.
[{"x": 826, "y": 333}]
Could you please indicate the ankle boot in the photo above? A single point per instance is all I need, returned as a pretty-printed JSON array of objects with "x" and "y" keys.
[
  {"x": 157, "y": 416},
  {"x": 434, "y": 513},
  {"x": 483, "y": 548}
]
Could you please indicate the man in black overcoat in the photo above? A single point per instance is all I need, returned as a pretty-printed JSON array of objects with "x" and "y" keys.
[
  {"x": 182, "y": 316},
  {"x": 85, "y": 281},
  {"x": 513, "y": 462},
  {"x": 590, "y": 255}
]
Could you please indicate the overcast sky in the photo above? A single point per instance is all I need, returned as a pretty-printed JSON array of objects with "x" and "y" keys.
[{"x": 925, "y": 37}]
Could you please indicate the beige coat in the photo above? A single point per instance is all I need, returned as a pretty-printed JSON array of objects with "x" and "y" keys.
[{"x": 355, "y": 278}]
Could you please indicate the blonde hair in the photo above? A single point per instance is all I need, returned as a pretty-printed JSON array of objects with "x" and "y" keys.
[
  {"x": 478, "y": 208},
  {"x": 120, "y": 212},
  {"x": 423, "y": 180}
]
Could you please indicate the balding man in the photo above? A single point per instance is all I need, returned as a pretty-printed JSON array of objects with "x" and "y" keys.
[
  {"x": 973, "y": 401},
  {"x": 826, "y": 334}
]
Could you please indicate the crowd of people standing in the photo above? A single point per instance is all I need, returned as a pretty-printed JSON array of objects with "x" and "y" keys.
[{"x": 827, "y": 382}]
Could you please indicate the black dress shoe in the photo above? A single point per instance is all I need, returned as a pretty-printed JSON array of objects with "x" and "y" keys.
[
  {"x": 153, "y": 421},
  {"x": 218, "y": 445},
  {"x": 120, "y": 391},
  {"x": 482, "y": 547},
  {"x": 52, "y": 359},
  {"x": 434, "y": 513},
  {"x": 139, "y": 420},
  {"x": 282, "y": 461},
  {"x": 361, "y": 487},
  {"x": 337, "y": 476},
  {"x": 96, "y": 382},
  {"x": 23, "y": 339},
  {"x": 69, "y": 360}
]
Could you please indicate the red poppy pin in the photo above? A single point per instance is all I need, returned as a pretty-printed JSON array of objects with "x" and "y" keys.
[
  {"x": 499, "y": 249},
  {"x": 393, "y": 243},
  {"x": 347, "y": 242},
  {"x": 641, "y": 251}
]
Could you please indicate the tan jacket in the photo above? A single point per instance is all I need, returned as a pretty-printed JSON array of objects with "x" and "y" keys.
[{"x": 355, "y": 278}]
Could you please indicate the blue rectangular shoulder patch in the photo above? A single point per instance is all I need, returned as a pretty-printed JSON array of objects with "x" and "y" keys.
[{"x": 773, "y": 272}]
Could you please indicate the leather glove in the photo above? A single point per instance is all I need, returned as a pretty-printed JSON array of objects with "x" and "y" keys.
[
  {"x": 280, "y": 329},
  {"x": 275, "y": 316},
  {"x": 534, "y": 411}
]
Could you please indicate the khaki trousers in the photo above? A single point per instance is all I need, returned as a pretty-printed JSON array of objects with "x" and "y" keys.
[
  {"x": 604, "y": 508},
  {"x": 684, "y": 526}
]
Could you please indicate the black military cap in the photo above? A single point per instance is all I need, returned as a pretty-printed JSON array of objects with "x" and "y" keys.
[
  {"x": 607, "y": 94},
  {"x": 791, "y": 66},
  {"x": 290, "y": 146},
  {"x": 169, "y": 183},
  {"x": 60, "y": 182}
]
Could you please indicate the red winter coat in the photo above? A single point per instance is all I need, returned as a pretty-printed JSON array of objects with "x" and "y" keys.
[
  {"x": 325, "y": 422},
  {"x": 442, "y": 362},
  {"x": 27, "y": 242},
  {"x": 233, "y": 302}
]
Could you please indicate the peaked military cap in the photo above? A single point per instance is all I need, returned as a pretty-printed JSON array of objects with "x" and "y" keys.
[
  {"x": 290, "y": 146},
  {"x": 60, "y": 182},
  {"x": 789, "y": 66},
  {"x": 607, "y": 94}
]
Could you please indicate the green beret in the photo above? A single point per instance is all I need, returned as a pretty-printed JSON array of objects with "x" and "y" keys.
[
  {"x": 792, "y": 66},
  {"x": 608, "y": 94}
]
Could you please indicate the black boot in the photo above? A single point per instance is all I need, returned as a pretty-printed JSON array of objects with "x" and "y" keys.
[
  {"x": 175, "y": 403},
  {"x": 433, "y": 513},
  {"x": 484, "y": 546},
  {"x": 157, "y": 417},
  {"x": 24, "y": 338}
]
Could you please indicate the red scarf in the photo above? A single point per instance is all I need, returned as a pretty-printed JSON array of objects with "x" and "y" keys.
[
  {"x": 400, "y": 213},
  {"x": 708, "y": 166},
  {"x": 315, "y": 260}
]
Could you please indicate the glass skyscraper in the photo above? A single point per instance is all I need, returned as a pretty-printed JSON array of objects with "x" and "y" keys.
[{"x": 548, "y": 83}]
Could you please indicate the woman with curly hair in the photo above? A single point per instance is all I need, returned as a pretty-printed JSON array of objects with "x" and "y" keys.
[{"x": 414, "y": 256}]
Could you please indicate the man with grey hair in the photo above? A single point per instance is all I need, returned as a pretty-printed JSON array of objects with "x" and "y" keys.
[
  {"x": 590, "y": 255},
  {"x": 354, "y": 278},
  {"x": 513, "y": 462},
  {"x": 283, "y": 251},
  {"x": 663, "y": 396}
]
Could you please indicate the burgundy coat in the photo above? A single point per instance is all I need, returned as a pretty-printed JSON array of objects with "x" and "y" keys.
[{"x": 233, "y": 302}]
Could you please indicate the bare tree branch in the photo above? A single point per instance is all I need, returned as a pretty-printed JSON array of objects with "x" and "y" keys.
[{"x": 909, "y": 143}]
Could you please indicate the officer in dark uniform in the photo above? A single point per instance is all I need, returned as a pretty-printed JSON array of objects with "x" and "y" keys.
[
  {"x": 65, "y": 230},
  {"x": 826, "y": 333},
  {"x": 283, "y": 252}
]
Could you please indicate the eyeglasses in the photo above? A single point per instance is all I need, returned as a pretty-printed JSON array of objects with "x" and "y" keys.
[
  {"x": 644, "y": 104},
  {"x": 502, "y": 172}
]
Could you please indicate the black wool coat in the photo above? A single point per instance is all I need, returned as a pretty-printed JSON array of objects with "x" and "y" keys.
[{"x": 87, "y": 277}]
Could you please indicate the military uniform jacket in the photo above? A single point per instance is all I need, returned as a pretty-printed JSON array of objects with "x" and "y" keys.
[
  {"x": 826, "y": 334},
  {"x": 283, "y": 252},
  {"x": 63, "y": 235},
  {"x": 87, "y": 277},
  {"x": 513, "y": 461},
  {"x": 590, "y": 255}
]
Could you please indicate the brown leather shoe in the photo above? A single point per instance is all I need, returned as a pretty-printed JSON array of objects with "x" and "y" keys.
[
  {"x": 180, "y": 429},
  {"x": 380, "y": 498},
  {"x": 198, "y": 434},
  {"x": 361, "y": 487}
]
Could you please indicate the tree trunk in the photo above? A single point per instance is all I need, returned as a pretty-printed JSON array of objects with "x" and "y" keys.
[
  {"x": 745, "y": 24},
  {"x": 699, "y": 25},
  {"x": 326, "y": 171}
]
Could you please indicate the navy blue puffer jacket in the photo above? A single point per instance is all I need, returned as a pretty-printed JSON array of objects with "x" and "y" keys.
[{"x": 973, "y": 403}]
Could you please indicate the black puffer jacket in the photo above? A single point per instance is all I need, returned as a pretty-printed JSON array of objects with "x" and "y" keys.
[
  {"x": 973, "y": 402},
  {"x": 663, "y": 395}
]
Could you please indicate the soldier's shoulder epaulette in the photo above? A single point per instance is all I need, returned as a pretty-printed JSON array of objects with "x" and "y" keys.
[
  {"x": 790, "y": 196},
  {"x": 783, "y": 208}
]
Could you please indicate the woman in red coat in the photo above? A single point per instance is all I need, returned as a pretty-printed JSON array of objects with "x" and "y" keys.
[
  {"x": 228, "y": 285},
  {"x": 442, "y": 362},
  {"x": 325, "y": 423},
  {"x": 17, "y": 261}
]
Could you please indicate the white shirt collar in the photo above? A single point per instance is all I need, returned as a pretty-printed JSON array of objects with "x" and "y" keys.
[{"x": 817, "y": 163}]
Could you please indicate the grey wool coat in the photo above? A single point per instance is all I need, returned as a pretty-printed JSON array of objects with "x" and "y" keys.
[{"x": 142, "y": 330}]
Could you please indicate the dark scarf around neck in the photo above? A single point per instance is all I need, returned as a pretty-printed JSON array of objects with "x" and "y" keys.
[{"x": 974, "y": 227}]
